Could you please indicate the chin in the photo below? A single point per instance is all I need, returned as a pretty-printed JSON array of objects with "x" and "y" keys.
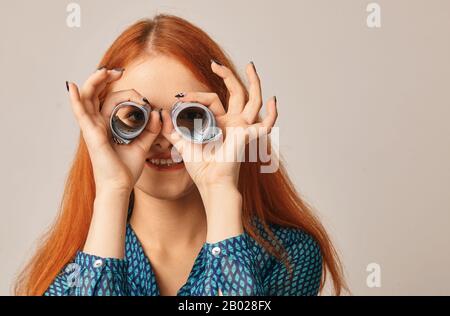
[{"x": 173, "y": 190}]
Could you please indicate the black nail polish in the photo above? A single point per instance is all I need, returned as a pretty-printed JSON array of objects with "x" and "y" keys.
[
  {"x": 100, "y": 68},
  {"x": 179, "y": 95},
  {"x": 215, "y": 61},
  {"x": 275, "y": 98},
  {"x": 67, "y": 85},
  {"x": 253, "y": 64},
  {"x": 160, "y": 115},
  {"x": 146, "y": 101}
]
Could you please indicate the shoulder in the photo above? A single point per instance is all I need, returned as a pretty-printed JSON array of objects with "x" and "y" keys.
[
  {"x": 297, "y": 242},
  {"x": 305, "y": 262}
]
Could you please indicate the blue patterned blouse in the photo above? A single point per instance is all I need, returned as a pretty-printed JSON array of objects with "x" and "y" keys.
[{"x": 237, "y": 265}]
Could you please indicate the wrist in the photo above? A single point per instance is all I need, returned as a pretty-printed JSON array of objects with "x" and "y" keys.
[
  {"x": 224, "y": 223},
  {"x": 223, "y": 208},
  {"x": 113, "y": 202},
  {"x": 219, "y": 187},
  {"x": 106, "y": 236},
  {"x": 112, "y": 191},
  {"x": 219, "y": 196}
]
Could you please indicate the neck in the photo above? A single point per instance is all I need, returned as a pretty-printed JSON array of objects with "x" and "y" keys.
[{"x": 167, "y": 224}]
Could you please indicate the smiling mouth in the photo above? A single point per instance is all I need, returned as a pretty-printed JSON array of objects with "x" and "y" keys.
[{"x": 164, "y": 164}]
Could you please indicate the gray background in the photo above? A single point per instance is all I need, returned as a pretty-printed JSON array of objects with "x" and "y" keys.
[{"x": 363, "y": 115}]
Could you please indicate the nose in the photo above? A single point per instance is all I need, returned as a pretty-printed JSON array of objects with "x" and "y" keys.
[{"x": 161, "y": 144}]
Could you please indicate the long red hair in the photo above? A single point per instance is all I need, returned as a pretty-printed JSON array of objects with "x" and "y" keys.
[{"x": 270, "y": 196}]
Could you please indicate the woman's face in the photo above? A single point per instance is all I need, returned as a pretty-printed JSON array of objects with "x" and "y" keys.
[{"x": 159, "y": 79}]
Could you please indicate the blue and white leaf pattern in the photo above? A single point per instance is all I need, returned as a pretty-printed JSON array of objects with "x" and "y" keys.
[{"x": 242, "y": 267}]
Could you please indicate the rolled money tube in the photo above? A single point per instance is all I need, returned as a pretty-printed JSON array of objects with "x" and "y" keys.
[
  {"x": 128, "y": 120},
  {"x": 195, "y": 122}
]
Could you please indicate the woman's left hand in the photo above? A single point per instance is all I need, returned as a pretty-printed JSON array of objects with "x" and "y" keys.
[
  {"x": 220, "y": 167},
  {"x": 216, "y": 173}
]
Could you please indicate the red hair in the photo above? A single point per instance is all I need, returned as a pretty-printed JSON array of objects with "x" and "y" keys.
[{"x": 270, "y": 196}]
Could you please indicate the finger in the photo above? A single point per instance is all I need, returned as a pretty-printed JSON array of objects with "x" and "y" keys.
[
  {"x": 117, "y": 97},
  {"x": 188, "y": 150},
  {"x": 209, "y": 99},
  {"x": 268, "y": 122},
  {"x": 78, "y": 106},
  {"x": 169, "y": 132},
  {"x": 254, "y": 103},
  {"x": 97, "y": 82},
  {"x": 272, "y": 112},
  {"x": 220, "y": 292},
  {"x": 149, "y": 134},
  {"x": 237, "y": 96}
]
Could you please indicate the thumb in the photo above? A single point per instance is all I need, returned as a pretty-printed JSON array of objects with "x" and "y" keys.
[
  {"x": 149, "y": 134},
  {"x": 169, "y": 132}
]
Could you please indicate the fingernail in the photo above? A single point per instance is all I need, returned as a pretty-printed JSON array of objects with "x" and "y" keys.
[
  {"x": 253, "y": 64},
  {"x": 215, "y": 61},
  {"x": 146, "y": 101},
  {"x": 275, "y": 98},
  {"x": 67, "y": 85},
  {"x": 100, "y": 68},
  {"x": 160, "y": 115},
  {"x": 119, "y": 69},
  {"x": 180, "y": 95}
]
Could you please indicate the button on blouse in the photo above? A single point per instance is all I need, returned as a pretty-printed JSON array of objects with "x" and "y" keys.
[{"x": 238, "y": 265}]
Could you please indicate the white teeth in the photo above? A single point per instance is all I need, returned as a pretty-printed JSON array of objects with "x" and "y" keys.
[{"x": 166, "y": 162}]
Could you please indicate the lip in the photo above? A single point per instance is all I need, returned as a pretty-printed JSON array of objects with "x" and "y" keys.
[
  {"x": 173, "y": 167},
  {"x": 166, "y": 156}
]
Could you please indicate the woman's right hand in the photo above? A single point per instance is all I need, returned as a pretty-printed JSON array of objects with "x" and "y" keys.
[{"x": 115, "y": 166}]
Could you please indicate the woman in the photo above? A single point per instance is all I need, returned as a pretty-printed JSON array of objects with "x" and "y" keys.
[{"x": 133, "y": 222}]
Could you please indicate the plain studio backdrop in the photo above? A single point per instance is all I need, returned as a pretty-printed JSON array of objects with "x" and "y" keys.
[{"x": 363, "y": 117}]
